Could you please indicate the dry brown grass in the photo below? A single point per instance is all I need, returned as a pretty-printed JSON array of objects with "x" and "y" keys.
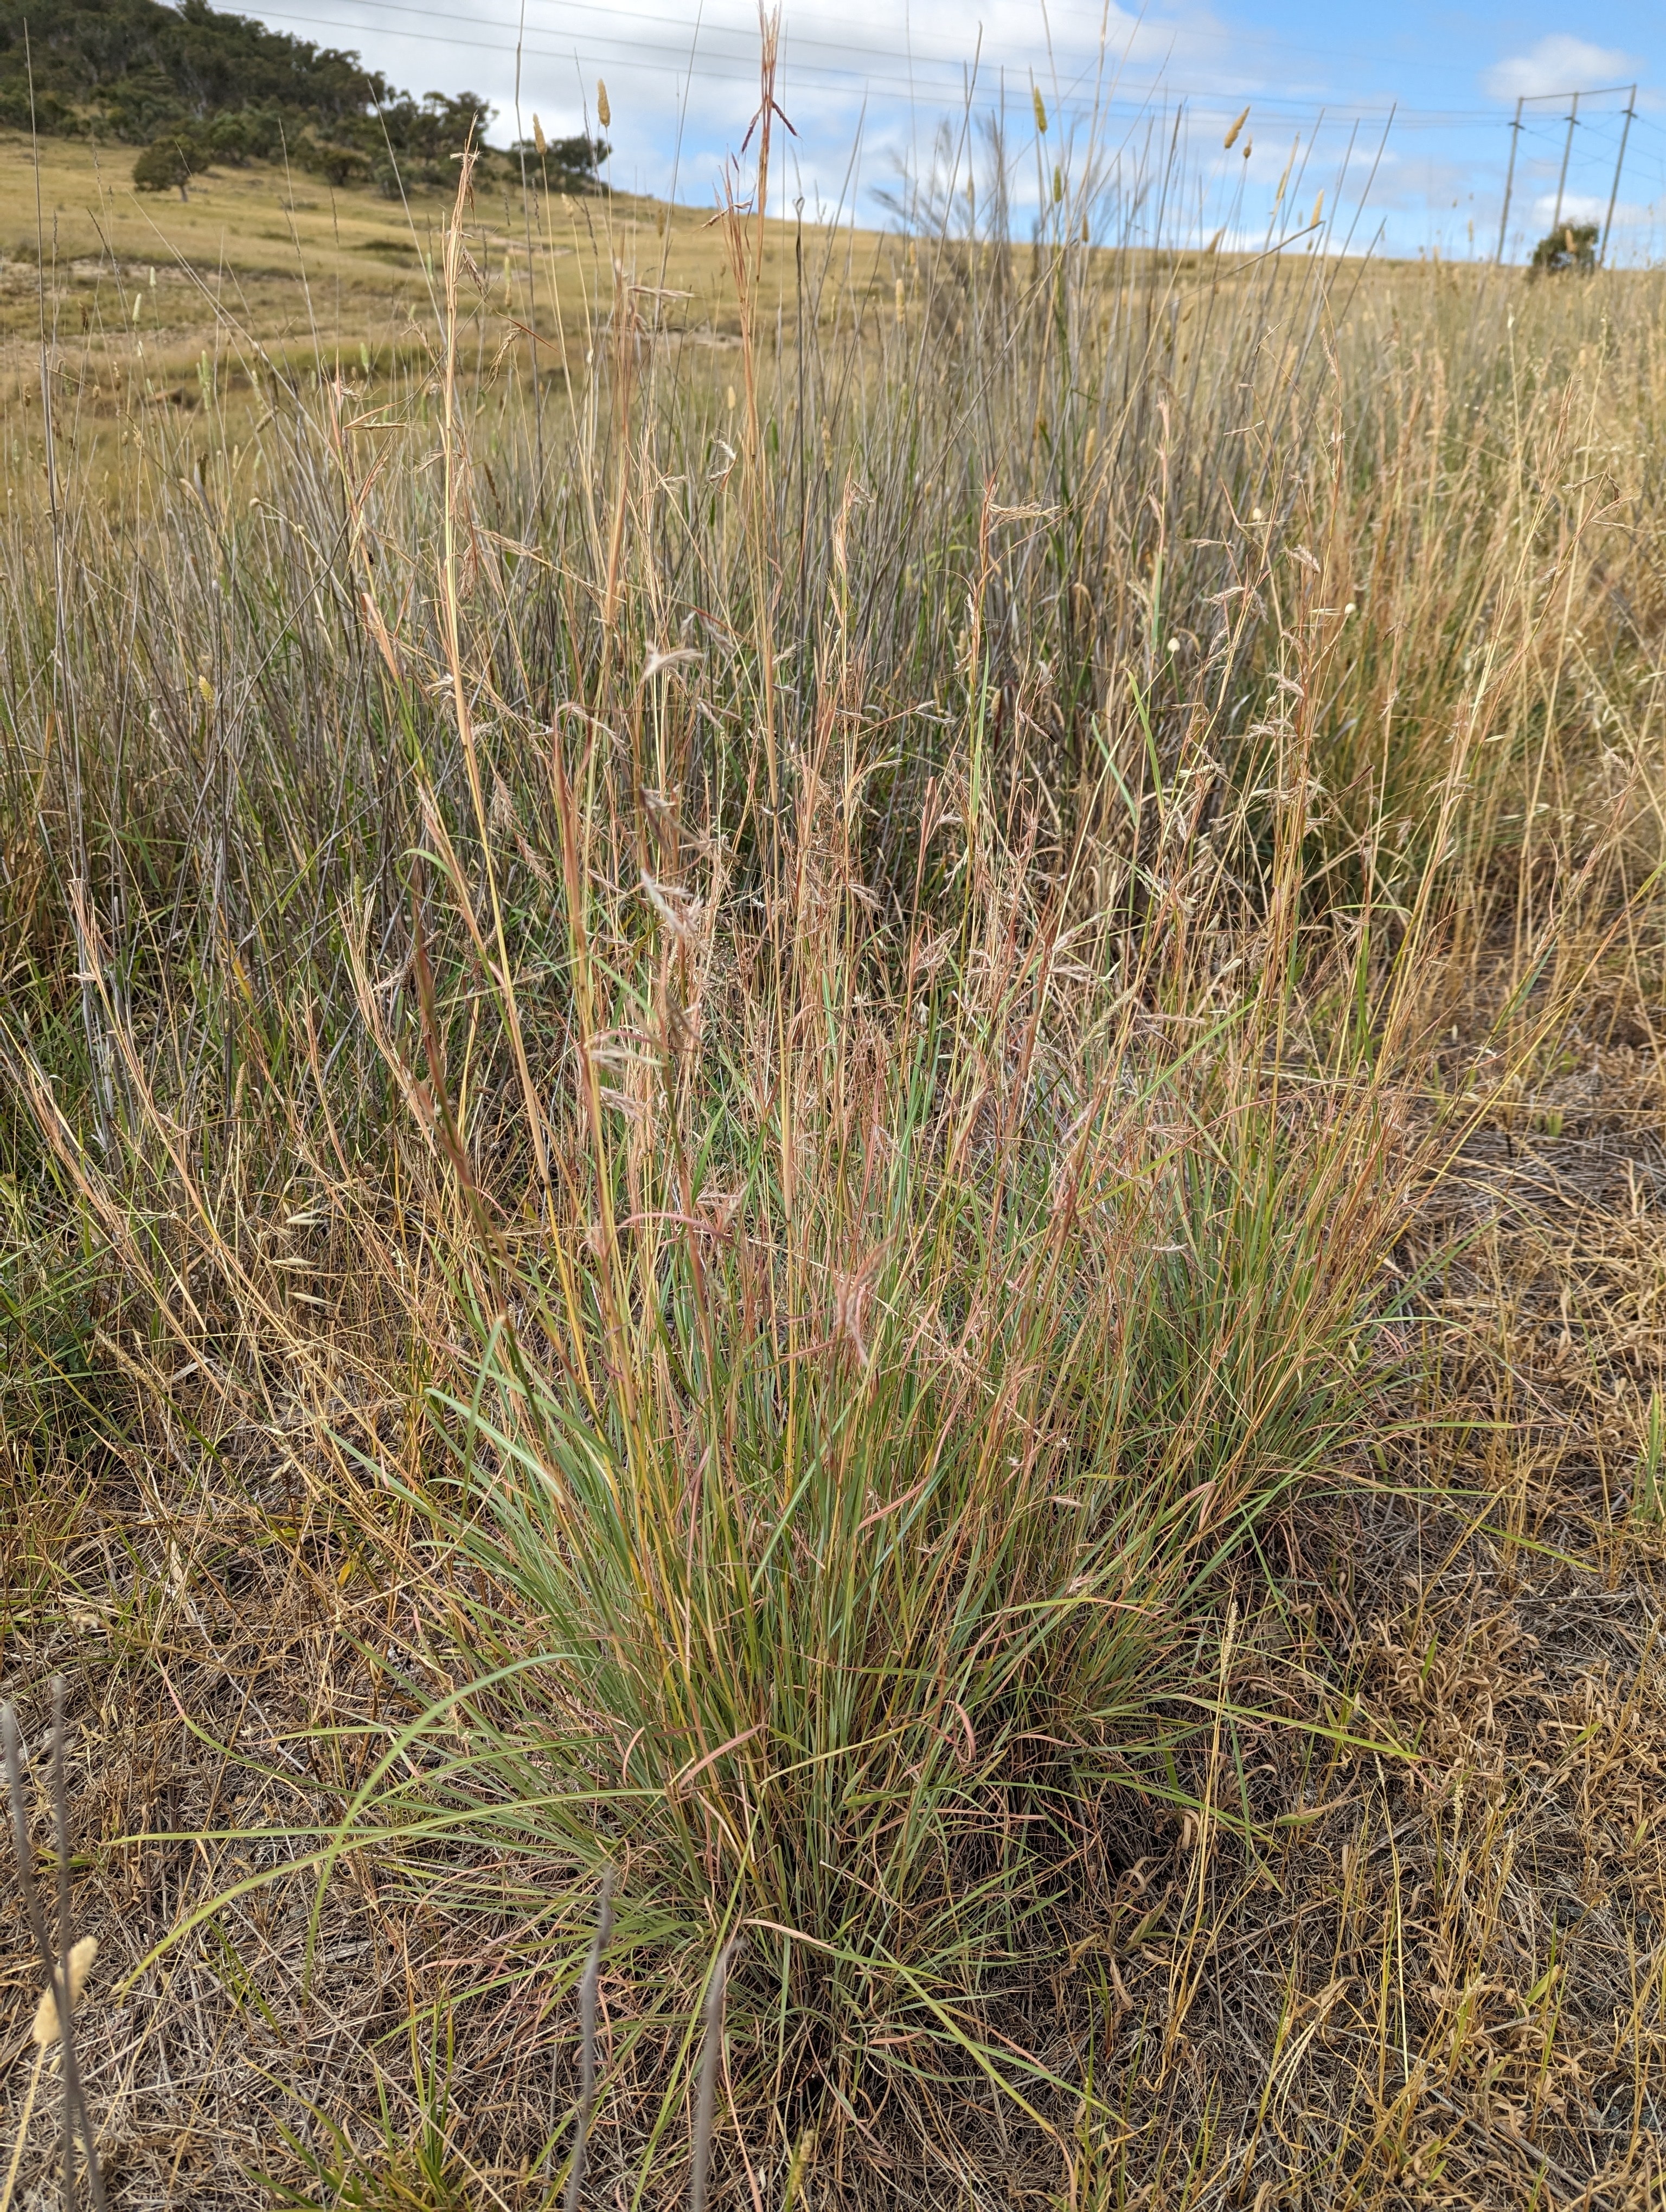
[
  {"x": 263, "y": 267},
  {"x": 1439, "y": 1984},
  {"x": 346, "y": 1044}
]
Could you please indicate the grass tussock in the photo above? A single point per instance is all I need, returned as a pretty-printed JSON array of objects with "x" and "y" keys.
[{"x": 819, "y": 1354}]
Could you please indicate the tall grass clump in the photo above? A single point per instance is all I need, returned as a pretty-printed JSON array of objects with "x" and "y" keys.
[
  {"x": 765, "y": 1039},
  {"x": 853, "y": 1454}
]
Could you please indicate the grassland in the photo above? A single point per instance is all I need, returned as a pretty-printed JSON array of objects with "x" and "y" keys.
[
  {"x": 832, "y": 1207},
  {"x": 258, "y": 262}
]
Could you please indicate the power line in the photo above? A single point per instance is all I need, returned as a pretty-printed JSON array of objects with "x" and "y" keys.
[
  {"x": 792, "y": 36},
  {"x": 851, "y": 76}
]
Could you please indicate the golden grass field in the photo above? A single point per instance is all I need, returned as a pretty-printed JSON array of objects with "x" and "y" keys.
[
  {"x": 832, "y": 1211},
  {"x": 257, "y": 260}
]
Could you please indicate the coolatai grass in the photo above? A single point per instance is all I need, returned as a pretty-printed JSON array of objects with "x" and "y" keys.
[{"x": 829, "y": 1243}]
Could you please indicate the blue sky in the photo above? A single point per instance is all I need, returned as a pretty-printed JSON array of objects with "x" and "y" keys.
[{"x": 867, "y": 81}]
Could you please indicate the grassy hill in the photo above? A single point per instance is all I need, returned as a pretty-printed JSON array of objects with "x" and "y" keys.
[
  {"x": 198, "y": 86},
  {"x": 262, "y": 268},
  {"x": 129, "y": 69}
]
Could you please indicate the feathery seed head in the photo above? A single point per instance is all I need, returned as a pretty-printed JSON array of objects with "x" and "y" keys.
[
  {"x": 47, "y": 2025},
  {"x": 604, "y": 113},
  {"x": 1232, "y": 136}
]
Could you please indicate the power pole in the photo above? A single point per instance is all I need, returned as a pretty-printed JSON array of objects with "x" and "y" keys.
[
  {"x": 1510, "y": 177},
  {"x": 1561, "y": 181},
  {"x": 1625, "y": 132}
]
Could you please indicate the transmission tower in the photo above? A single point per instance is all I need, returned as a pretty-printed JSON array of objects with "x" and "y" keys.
[{"x": 1544, "y": 98}]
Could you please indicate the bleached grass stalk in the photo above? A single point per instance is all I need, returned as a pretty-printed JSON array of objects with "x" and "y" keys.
[
  {"x": 63, "y": 1981},
  {"x": 47, "y": 2030},
  {"x": 711, "y": 2060},
  {"x": 587, "y": 1999}
]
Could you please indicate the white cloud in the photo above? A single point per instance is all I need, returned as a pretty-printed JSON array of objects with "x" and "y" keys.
[
  {"x": 1588, "y": 207},
  {"x": 683, "y": 73},
  {"x": 1559, "y": 62}
]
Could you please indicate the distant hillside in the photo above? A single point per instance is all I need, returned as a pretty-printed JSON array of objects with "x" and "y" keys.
[{"x": 196, "y": 86}]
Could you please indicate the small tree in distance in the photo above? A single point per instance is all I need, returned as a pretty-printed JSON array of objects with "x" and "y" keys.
[
  {"x": 571, "y": 165},
  {"x": 171, "y": 162},
  {"x": 1573, "y": 246}
]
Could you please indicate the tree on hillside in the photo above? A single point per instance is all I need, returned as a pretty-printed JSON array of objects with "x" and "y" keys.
[
  {"x": 196, "y": 86},
  {"x": 126, "y": 69},
  {"x": 168, "y": 165},
  {"x": 571, "y": 165}
]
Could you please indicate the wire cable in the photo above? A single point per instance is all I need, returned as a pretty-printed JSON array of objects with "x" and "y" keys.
[{"x": 851, "y": 76}]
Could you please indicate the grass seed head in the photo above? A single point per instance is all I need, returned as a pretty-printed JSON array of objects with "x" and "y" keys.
[{"x": 47, "y": 2026}]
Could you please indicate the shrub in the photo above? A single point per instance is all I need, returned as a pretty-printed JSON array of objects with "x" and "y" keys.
[
  {"x": 336, "y": 164},
  {"x": 1573, "y": 246},
  {"x": 240, "y": 135},
  {"x": 171, "y": 163},
  {"x": 571, "y": 165}
]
